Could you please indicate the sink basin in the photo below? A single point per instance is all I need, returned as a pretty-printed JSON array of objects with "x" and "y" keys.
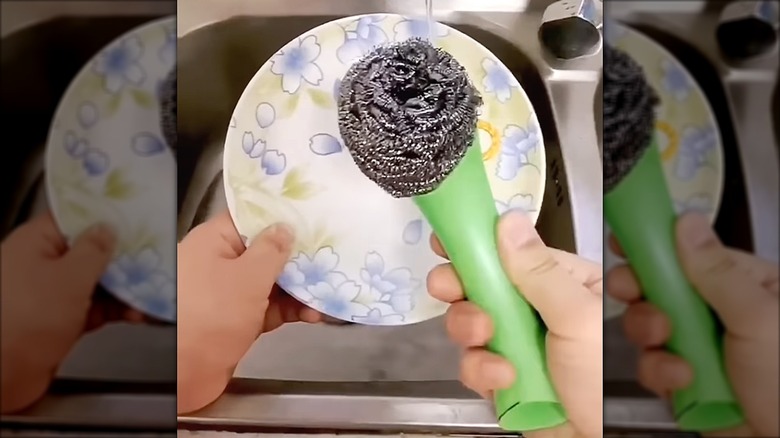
[
  {"x": 215, "y": 63},
  {"x": 413, "y": 369},
  {"x": 38, "y": 63},
  {"x": 741, "y": 100}
]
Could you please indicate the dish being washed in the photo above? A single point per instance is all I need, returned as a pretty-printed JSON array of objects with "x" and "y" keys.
[
  {"x": 106, "y": 161},
  {"x": 686, "y": 131},
  {"x": 361, "y": 255}
]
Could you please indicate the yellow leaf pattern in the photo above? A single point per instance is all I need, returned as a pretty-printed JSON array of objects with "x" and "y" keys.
[
  {"x": 142, "y": 98},
  {"x": 321, "y": 98},
  {"x": 113, "y": 103},
  {"x": 116, "y": 187},
  {"x": 295, "y": 187}
]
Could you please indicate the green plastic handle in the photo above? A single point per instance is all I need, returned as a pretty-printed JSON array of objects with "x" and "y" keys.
[
  {"x": 639, "y": 211},
  {"x": 462, "y": 213}
]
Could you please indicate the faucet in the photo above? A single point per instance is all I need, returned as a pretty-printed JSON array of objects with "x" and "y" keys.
[
  {"x": 748, "y": 29},
  {"x": 571, "y": 29}
]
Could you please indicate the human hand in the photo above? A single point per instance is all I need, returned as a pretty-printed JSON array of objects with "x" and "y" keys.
[
  {"x": 227, "y": 297},
  {"x": 743, "y": 291},
  {"x": 567, "y": 292},
  {"x": 48, "y": 303}
]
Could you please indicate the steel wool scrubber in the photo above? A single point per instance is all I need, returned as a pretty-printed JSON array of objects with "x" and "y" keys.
[
  {"x": 640, "y": 213},
  {"x": 408, "y": 115}
]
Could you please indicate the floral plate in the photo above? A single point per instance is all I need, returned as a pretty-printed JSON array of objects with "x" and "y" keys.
[
  {"x": 106, "y": 161},
  {"x": 361, "y": 256},
  {"x": 687, "y": 132}
]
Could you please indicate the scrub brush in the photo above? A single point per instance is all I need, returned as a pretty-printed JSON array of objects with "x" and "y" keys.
[
  {"x": 408, "y": 115},
  {"x": 639, "y": 210},
  {"x": 168, "y": 109}
]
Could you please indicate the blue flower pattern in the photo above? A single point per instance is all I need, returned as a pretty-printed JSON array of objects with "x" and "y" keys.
[
  {"x": 325, "y": 144},
  {"x": 523, "y": 202},
  {"x": 418, "y": 28},
  {"x": 137, "y": 277},
  {"x": 676, "y": 80},
  {"x": 337, "y": 90},
  {"x": 517, "y": 144},
  {"x": 413, "y": 232},
  {"x": 367, "y": 35},
  {"x": 88, "y": 115},
  {"x": 498, "y": 80},
  {"x": 394, "y": 287},
  {"x": 94, "y": 161},
  {"x": 146, "y": 144},
  {"x": 696, "y": 146},
  {"x": 296, "y": 64},
  {"x": 380, "y": 314},
  {"x": 265, "y": 115},
  {"x": 272, "y": 161},
  {"x": 120, "y": 65},
  {"x": 167, "y": 52},
  {"x": 315, "y": 281},
  {"x": 701, "y": 204}
]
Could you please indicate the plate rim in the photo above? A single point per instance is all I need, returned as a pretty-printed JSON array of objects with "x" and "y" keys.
[
  {"x": 721, "y": 173},
  {"x": 265, "y": 69},
  {"x": 48, "y": 148}
]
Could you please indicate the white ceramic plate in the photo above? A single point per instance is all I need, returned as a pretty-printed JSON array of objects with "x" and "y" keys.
[
  {"x": 106, "y": 160},
  {"x": 687, "y": 133},
  {"x": 361, "y": 256}
]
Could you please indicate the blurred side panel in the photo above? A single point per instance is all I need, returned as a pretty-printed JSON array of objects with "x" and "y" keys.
[{"x": 120, "y": 375}]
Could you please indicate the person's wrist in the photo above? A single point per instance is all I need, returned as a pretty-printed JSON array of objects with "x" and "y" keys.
[
  {"x": 565, "y": 430},
  {"x": 201, "y": 377},
  {"x": 25, "y": 377}
]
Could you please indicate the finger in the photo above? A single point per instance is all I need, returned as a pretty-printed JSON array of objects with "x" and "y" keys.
[
  {"x": 282, "y": 309},
  {"x": 614, "y": 246},
  {"x": 43, "y": 236},
  {"x": 444, "y": 284},
  {"x": 764, "y": 272},
  {"x": 437, "y": 247},
  {"x": 107, "y": 309},
  {"x": 584, "y": 271},
  {"x": 467, "y": 325},
  {"x": 622, "y": 284},
  {"x": 742, "y": 303},
  {"x": 562, "y": 301},
  {"x": 662, "y": 372},
  {"x": 484, "y": 372},
  {"x": 263, "y": 262},
  {"x": 311, "y": 316},
  {"x": 219, "y": 235},
  {"x": 87, "y": 259},
  {"x": 646, "y": 326}
]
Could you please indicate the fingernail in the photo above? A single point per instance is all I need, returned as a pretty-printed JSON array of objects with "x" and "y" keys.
[
  {"x": 103, "y": 236},
  {"x": 282, "y": 233},
  {"x": 679, "y": 375},
  {"x": 500, "y": 371},
  {"x": 103, "y": 232},
  {"x": 517, "y": 229},
  {"x": 697, "y": 231}
]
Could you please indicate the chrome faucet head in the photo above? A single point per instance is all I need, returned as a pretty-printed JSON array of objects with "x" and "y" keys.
[
  {"x": 748, "y": 29},
  {"x": 571, "y": 29}
]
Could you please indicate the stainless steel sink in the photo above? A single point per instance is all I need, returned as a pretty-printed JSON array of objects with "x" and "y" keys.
[
  {"x": 121, "y": 375},
  {"x": 742, "y": 97},
  {"x": 324, "y": 371}
]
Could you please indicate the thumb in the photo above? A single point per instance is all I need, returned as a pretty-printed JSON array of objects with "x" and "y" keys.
[
  {"x": 266, "y": 256},
  {"x": 561, "y": 300},
  {"x": 735, "y": 295},
  {"x": 88, "y": 257}
]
